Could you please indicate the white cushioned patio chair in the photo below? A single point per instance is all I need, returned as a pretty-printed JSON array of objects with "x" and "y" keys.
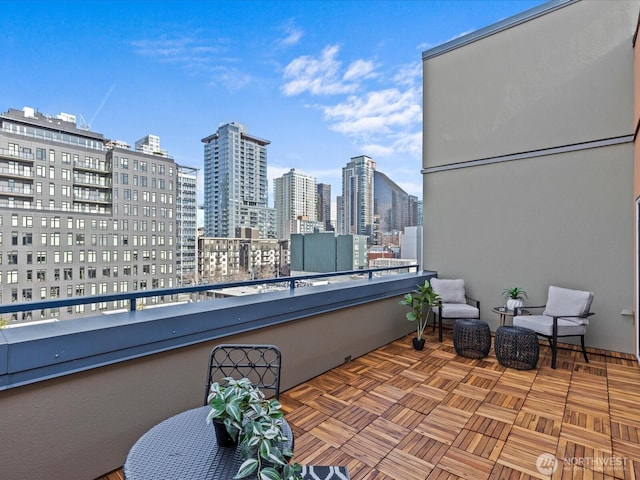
[
  {"x": 454, "y": 302},
  {"x": 566, "y": 314}
]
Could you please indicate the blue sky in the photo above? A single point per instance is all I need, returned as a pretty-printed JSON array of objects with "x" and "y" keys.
[{"x": 324, "y": 81}]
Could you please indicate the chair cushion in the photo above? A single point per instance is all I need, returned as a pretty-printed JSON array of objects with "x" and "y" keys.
[
  {"x": 457, "y": 310},
  {"x": 450, "y": 291},
  {"x": 562, "y": 301},
  {"x": 544, "y": 325}
]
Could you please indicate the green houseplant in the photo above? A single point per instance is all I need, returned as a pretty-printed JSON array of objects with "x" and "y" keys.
[
  {"x": 420, "y": 302},
  {"x": 514, "y": 297},
  {"x": 257, "y": 424}
]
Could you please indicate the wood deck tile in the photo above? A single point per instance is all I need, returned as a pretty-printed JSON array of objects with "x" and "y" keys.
[
  {"x": 478, "y": 444},
  {"x": 489, "y": 426},
  {"x": 540, "y": 423},
  {"x": 466, "y": 464},
  {"x": 334, "y": 432},
  {"x": 401, "y": 414},
  {"x": 443, "y": 423},
  {"x": 399, "y": 464},
  {"x": 355, "y": 416}
]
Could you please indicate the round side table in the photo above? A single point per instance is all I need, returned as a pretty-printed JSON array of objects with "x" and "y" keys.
[
  {"x": 471, "y": 338},
  {"x": 505, "y": 313}
]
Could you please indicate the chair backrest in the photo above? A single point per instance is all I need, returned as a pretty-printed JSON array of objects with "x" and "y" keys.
[
  {"x": 259, "y": 363},
  {"x": 450, "y": 291},
  {"x": 563, "y": 301}
]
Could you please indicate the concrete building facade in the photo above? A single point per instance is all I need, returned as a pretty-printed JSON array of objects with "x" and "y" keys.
[
  {"x": 295, "y": 198},
  {"x": 235, "y": 183},
  {"x": 80, "y": 216},
  {"x": 357, "y": 197},
  {"x": 528, "y": 160}
]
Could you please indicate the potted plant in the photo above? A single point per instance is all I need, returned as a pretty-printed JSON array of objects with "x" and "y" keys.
[
  {"x": 257, "y": 426},
  {"x": 420, "y": 303},
  {"x": 514, "y": 297}
]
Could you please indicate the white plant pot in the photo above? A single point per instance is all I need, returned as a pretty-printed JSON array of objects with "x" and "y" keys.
[{"x": 513, "y": 303}]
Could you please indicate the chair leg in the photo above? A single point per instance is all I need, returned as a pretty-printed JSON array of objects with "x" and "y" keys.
[
  {"x": 584, "y": 350},
  {"x": 554, "y": 351},
  {"x": 440, "y": 328}
]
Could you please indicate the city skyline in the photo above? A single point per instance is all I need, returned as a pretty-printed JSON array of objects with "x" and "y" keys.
[{"x": 323, "y": 81}]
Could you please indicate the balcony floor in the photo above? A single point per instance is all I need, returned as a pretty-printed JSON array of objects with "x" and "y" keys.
[{"x": 401, "y": 414}]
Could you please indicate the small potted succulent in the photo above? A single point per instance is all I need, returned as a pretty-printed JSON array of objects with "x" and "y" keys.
[
  {"x": 256, "y": 425},
  {"x": 514, "y": 297},
  {"x": 420, "y": 302}
]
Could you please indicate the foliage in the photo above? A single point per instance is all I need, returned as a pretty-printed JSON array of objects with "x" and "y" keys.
[
  {"x": 420, "y": 302},
  {"x": 515, "y": 293},
  {"x": 258, "y": 424}
]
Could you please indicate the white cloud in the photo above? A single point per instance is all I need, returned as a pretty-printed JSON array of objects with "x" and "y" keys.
[
  {"x": 359, "y": 69},
  {"x": 292, "y": 34},
  {"x": 321, "y": 75},
  {"x": 377, "y": 112}
]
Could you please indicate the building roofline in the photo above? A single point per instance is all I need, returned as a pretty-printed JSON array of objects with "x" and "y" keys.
[{"x": 497, "y": 27}]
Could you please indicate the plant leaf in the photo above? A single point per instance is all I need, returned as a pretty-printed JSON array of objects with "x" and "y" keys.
[{"x": 248, "y": 467}]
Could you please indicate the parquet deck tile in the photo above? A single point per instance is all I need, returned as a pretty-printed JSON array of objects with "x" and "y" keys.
[
  {"x": 375, "y": 403},
  {"x": 479, "y": 444},
  {"x": 465, "y": 464},
  {"x": 595, "y": 422},
  {"x": 443, "y": 423},
  {"x": 399, "y": 464},
  {"x": 430, "y": 392},
  {"x": 540, "y": 423},
  {"x": 489, "y": 426},
  {"x": 502, "y": 472},
  {"x": 456, "y": 399},
  {"x": 355, "y": 416},
  {"x": 334, "y": 432},
  {"x": 553, "y": 406},
  {"x": 418, "y": 403},
  {"x": 401, "y": 414},
  {"x": 423, "y": 447},
  {"x": 327, "y": 404},
  {"x": 305, "y": 417}
]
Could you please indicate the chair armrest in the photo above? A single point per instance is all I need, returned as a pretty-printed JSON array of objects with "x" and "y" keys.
[
  {"x": 586, "y": 315},
  {"x": 473, "y": 300}
]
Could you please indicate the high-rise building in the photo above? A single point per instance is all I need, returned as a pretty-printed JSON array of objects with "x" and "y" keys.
[
  {"x": 394, "y": 209},
  {"x": 186, "y": 225},
  {"x": 357, "y": 196},
  {"x": 323, "y": 205},
  {"x": 80, "y": 216},
  {"x": 150, "y": 144},
  {"x": 294, "y": 199},
  {"x": 235, "y": 183}
]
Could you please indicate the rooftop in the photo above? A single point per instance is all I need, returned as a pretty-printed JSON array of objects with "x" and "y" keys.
[{"x": 397, "y": 413}]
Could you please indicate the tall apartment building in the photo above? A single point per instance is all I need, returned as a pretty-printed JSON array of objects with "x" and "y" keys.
[
  {"x": 187, "y": 226},
  {"x": 150, "y": 144},
  {"x": 357, "y": 197},
  {"x": 323, "y": 205},
  {"x": 294, "y": 199},
  {"x": 235, "y": 183},
  {"x": 79, "y": 216}
]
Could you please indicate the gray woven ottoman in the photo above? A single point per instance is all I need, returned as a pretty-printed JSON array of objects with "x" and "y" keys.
[
  {"x": 471, "y": 338},
  {"x": 516, "y": 347}
]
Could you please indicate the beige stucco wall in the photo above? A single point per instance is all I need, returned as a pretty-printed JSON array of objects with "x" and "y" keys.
[
  {"x": 82, "y": 426},
  {"x": 565, "y": 219}
]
